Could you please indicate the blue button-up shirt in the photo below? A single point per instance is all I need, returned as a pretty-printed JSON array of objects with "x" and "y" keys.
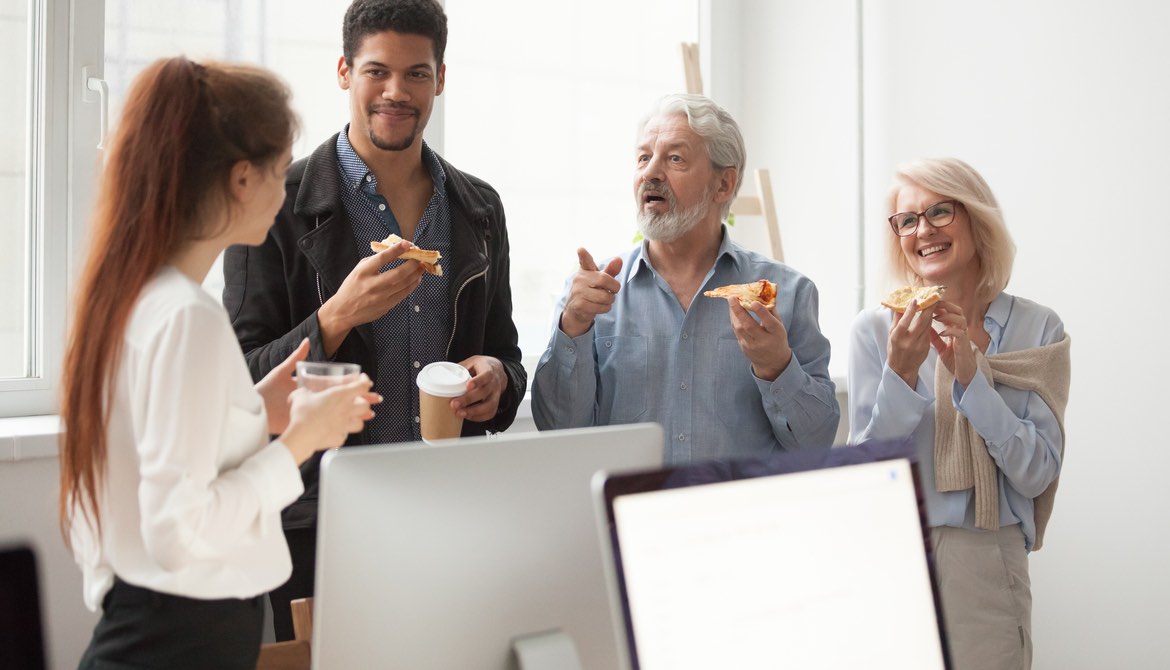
[
  {"x": 648, "y": 360},
  {"x": 413, "y": 333},
  {"x": 1020, "y": 430}
]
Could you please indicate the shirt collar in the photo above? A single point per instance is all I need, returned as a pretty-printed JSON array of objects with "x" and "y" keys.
[
  {"x": 355, "y": 171},
  {"x": 999, "y": 310},
  {"x": 641, "y": 257}
]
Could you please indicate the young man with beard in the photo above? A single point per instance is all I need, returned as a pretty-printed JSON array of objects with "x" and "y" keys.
[
  {"x": 637, "y": 341},
  {"x": 315, "y": 278}
]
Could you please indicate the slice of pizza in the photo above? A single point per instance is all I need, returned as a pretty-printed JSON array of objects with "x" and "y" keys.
[
  {"x": 764, "y": 291},
  {"x": 899, "y": 299},
  {"x": 429, "y": 259}
]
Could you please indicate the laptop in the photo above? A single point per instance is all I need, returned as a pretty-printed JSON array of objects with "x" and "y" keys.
[
  {"x": 475, "y": 553},
  {"x": 812, "y": 559}
]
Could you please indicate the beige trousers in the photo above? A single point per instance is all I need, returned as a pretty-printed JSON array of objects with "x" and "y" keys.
[{"x": 986, "y": 597}]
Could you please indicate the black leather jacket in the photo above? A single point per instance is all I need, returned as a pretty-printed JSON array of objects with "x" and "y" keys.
[{"x": 272, "y": 292}]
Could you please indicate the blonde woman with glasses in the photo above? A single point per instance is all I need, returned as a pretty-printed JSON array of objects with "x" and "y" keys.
[{"x": 978, "y": 382}]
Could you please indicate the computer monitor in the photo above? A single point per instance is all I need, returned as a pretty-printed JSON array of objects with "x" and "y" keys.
[
  {"x": 441, "y": 556},
  {"x": 817, "y": 559}
]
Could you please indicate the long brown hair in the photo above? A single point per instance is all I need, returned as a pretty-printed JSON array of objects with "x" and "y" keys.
[{"x": 183, "y": 126}]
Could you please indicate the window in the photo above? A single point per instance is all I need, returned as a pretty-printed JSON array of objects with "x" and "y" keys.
[
  {"x": 15, "y": 223},
  {"x": 49, "y": 139},
  {"x": 298, "y": 39},
  {"x": 545, "y": 105}
]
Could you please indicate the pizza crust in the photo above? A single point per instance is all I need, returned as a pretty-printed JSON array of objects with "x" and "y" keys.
[
  {"x": 762, "y": 291},
  {"x": 899, "y": 299},
  {"x": 429, "y": 259}
]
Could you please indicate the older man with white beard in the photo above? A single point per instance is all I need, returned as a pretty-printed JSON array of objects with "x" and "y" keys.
[{"x": 637, "y": 341}]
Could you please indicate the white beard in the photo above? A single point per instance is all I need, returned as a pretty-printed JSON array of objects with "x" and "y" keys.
[{"x": 674, "y": 223}]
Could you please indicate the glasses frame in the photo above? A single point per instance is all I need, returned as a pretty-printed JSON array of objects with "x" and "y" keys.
[{"x": 921, "y": 216}]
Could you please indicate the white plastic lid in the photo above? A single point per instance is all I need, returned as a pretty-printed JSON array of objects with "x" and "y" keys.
[{"x": 443, "y": 379}]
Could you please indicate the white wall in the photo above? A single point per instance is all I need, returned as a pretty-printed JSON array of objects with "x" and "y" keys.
[
  {"x": 1064, "y": 108},
  {"x": 28, "y": 515}
]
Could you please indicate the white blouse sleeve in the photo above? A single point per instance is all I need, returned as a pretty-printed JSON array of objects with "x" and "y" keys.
[{"x": 198, "y": 500}]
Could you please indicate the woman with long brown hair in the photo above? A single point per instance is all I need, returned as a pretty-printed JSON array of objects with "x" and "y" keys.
[{"x": 170, "y": 489}]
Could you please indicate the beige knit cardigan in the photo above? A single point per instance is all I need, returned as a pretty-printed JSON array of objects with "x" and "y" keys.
[{"x": 961, "y": 460}]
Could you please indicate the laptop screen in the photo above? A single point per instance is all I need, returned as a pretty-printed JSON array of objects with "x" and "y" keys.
[{"x": 735, "y": 565}]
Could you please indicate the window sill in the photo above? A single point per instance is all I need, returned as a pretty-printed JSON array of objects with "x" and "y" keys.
[{"x": 28, "y": 437}]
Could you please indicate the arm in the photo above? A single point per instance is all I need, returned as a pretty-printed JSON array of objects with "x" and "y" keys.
[
  {"x": 564, "y": 387},
  {"x": 500, "y": 339},
  {"x": 256, "y": 297},
  {"x": 272, "y": 296},
  {"x": 1026, "y": 448},
  {"x": 1022, "y": 433},
  {"x": 801, "y": 401},
  {"x": 190, "y": 509},
  {"x": 881, "y": 405}
]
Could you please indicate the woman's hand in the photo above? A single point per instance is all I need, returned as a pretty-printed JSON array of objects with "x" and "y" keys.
[
  {"x": 953, "y": 342},
  {"x": 909, "y": 342},
  {"x": 321, "y": 420},
  {"x": 276, "y": 387}
]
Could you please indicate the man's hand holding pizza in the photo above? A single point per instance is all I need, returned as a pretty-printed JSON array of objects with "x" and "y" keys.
[
  {"x": 764, "y": 342},
  {"x": 367, "y": 293}
]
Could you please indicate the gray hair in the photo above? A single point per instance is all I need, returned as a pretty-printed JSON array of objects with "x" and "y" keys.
[{"x": 719, "y": 131}]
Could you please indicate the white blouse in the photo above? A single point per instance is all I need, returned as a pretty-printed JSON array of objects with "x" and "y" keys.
[{"x": 193, "y": 489}]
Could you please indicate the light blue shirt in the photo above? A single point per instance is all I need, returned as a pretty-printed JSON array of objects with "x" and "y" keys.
[
  {"x": 1020, "y": 430},
  {"x": 648, "y": 360}
]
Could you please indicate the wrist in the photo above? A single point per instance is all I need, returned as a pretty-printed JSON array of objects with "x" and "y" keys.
[
  {"x": 332, "y": 327},
  {"x": 295, "y": 441},
  {"x": 574, "y": 327}
]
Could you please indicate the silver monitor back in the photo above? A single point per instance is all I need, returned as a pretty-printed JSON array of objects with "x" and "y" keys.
[{"x": 438, "y": 556}]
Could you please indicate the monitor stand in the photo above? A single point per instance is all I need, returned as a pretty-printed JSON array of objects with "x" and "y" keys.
[{"x": 547, "y": 650}]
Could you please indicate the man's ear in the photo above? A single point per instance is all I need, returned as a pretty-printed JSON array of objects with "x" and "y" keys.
[
  {"x": 441, "y": 80},
  {"x": 342, "y": 73},
  {"x": 725, "y": 189}
]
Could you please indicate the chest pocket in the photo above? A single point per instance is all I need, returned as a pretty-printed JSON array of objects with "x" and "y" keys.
[
  {"x": 621, "y": 364},
  {"x": 735, "y": 400}
]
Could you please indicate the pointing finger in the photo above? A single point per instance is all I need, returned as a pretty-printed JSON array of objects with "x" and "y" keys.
[{"x": 586, "y": 260}]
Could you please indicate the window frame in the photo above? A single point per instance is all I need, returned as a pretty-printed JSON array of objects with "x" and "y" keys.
[{"x": 61, "y": 161}]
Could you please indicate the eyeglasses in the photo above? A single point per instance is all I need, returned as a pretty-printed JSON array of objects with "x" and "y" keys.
[{"x": 937, "y": 215}]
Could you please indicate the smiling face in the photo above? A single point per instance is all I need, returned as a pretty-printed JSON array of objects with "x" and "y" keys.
[
  {"x": 392, "y": 84},
  {"x": 944, "y": 255},
  {"x": 675, "y": 185}
]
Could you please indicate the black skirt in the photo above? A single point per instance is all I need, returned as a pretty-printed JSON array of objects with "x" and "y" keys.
[{"x": 141, "y": 628}]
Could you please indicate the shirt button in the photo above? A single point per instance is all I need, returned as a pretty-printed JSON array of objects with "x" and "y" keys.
[
  {"x": 683, "y": 386},
  {"x": 685, "y": 336},
  {"x": 381, "y": 208},
  {"x": 369, "y": 177},
  {"x": 416, "y": 420},
  {"x": 416, "y": 364},
  {"x": 609, "y": 345},
  {"x": 416, "y": 308},
  {"x": 682, "y": 438},
  {"x": 570, "y": 349}
]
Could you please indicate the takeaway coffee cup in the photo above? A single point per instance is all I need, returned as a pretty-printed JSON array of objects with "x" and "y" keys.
[
  {"x": 437, "y": 384},
  {"x": 316, "y": 376}
]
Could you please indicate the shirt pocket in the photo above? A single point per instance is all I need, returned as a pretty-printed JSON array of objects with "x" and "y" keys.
[
  {"x": 621, "y": 364},
  {"x": 736, "y": 397}
]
